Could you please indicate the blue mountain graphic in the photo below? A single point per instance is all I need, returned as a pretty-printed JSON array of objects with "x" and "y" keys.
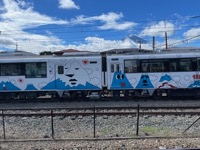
[
  {"x": 196, "y": 84},
  {"x": 144, "y": 82},
  {"x": 59, "y": 84},
  {"x": 120, "y": 81},
  {"x": 8, "y": 86},
  {"x": 30, "y": 87},
  {"x": 50, "y": 85},
  {"x": 165, "y": 77}
]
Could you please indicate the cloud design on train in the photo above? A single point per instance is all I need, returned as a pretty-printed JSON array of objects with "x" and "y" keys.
[
  {"x": 153, "y": 78},
  {"x": 187, "y": 77},
  {"x": 176, "y": 78},
  {"x": 42, "y": 84},
  {"x": 133, "y": 81},
  {"x": 95, "y": 81},
  {"x": 90, "y": 71}
]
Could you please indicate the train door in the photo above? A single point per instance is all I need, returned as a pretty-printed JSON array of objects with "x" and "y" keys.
[
  {"x": 116, "y": 75},
  {"x": 59, "y": 75}
]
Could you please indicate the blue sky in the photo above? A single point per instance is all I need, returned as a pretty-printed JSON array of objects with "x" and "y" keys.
[{"x": 97, "y": 25}]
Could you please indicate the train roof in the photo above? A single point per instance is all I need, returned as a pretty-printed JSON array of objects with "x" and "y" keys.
[
  {"x": 166, "y": 53},
  {"x": 80, "y": 54},
  {"x": 40, "y": 58},
  {"x": 151, "y": 52}
]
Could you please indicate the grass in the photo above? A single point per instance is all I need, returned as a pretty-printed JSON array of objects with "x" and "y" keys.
[
  {"x": 105, "y": 131},
  {"x": 151, "y": 130}
]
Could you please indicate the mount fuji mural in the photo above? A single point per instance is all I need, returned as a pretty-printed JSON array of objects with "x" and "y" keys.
[
  {"x": 8, "y": 86},
  {"x": 120, "y": 81},
  {"x": 59, "y": 84},
  {"x": 30, "y": 87}
]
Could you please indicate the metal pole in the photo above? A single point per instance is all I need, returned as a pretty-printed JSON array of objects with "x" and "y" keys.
[
  {"x": 166, "y": 45},
  {"x": 94, "y": 122},
  {"x": 52, "y": 127},
  {"x": 191, "y": 125},
  {"x": 138, "y": 115},
  {"x": 153, "y": 43},
  {"x": 4, "y": 130}
]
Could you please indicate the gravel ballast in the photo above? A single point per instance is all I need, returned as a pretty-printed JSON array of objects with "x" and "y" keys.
[{"x": 66, "y": 128}]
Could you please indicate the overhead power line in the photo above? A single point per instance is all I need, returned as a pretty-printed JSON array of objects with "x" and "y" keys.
[
  {"x": 181, "y": 41},
  {"x": 93, "y": 25}
]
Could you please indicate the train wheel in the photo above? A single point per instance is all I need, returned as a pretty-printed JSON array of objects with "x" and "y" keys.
[
  {"x": 157, "y": 95},
  {"x": 1, "y": 96},
  {"x": 22, "y": 95},
  {"x": 31, "y": 95}
]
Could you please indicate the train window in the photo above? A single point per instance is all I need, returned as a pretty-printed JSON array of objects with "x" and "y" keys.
[
  {"x": 112, "y": 68},
  {"x": 156, "y": 66},
  {"x": 15, "y": 69},
  {"x": 36, "y": 70},
  {"x": 144, "y": 66},
  {"x": 172, "y": 65},
  {"x": 185, "y": 65},
  {"x": 198, "y": 64},
  {"x": 130, "y": 66},
  {"x": 117, "y": 67},
  {"x": 60, "y": 69},
  {"x": 93, "y": 62}
]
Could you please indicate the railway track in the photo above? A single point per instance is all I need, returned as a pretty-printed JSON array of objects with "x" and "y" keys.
[
  {"x": 95, "y": 112},
  {"x": 135, "y": 99},
  {"x": 100, "y": 111}
]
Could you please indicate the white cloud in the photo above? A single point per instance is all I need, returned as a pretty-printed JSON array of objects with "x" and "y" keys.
[
  {"x": 192, "y": 33},
  {"x": 100, "y": 44},
  {"x": 15, "y": 17},
  {"x": 159, "y": 29},
  {"x": 67, "y": 4},
  {"x": 110, "y": 20}
]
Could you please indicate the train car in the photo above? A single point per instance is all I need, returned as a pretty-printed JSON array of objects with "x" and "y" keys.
[
  {"x": 157, "y": 74},
  {"x": 78, "y": 75},
  {"x": 34, "y": 76}
]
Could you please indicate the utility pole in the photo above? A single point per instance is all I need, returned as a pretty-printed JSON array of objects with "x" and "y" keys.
[
  {"x": 153, "y": 43},
  {"x": 16, "y": 47},
  {"x": 166, "y": 45}
]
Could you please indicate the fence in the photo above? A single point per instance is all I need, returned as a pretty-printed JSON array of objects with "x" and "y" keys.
[{"x": 95, "y": 123}]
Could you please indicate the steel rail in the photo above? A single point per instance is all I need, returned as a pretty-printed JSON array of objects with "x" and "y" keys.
[
  {"x": 96, "y": 113},
  {"x": 106, "y": 108}
]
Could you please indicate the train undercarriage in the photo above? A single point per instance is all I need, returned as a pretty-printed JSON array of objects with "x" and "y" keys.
[{"x": 129, "y": 94}]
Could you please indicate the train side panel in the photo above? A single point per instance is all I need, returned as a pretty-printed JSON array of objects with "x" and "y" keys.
[
  {"x": 121, "y": 77},
  {"x": 25, "y": 76},
  {"x": 77, "y": 74}
]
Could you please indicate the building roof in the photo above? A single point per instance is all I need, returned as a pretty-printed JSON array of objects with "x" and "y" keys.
[
  {"x": 67, "y": 51},
  {"x": 16, "y": 53}
]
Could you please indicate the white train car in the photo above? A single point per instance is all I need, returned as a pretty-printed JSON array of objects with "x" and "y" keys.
[
  {"x": 78, "y": 75},
  {"x": 33, "y": 76},
  {"x": 165, "y": 73}
]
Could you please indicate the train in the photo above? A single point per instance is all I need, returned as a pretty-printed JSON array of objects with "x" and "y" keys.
[{"x": 93, "y": 75}]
